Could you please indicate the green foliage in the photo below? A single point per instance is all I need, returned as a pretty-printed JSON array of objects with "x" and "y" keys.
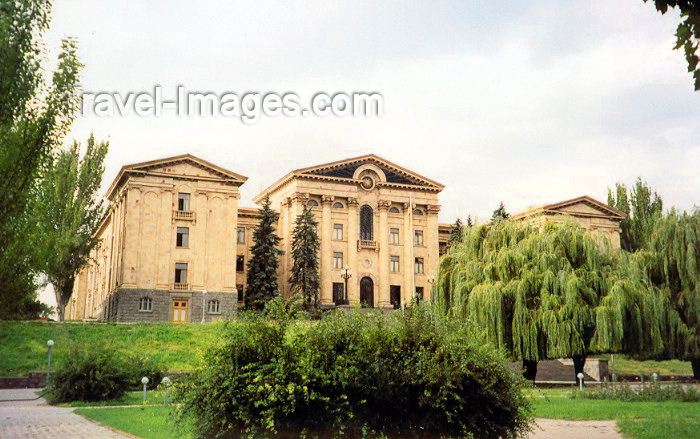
[
  {"x": 262, "y": 267},
  {"x": 648, "y": 392},
  {"x": 687, "y": 32},
  {"x": 68, "y": 212},
  {"x": 543, "y": 294},
  {"x": 34, "y": 118},
  {"x": 641, "y": 206},
  {"x": 305, "y": 246},
  {"x": 97, "y": 372},
  {"x": 500, "y": 213},
  {"x": 353, "y": 374},
  {"x": 456, "y": 232}
]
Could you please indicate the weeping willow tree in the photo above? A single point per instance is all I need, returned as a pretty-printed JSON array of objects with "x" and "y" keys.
[
  {"x": 553, "y": 292},
  {"x": 669, "y": 262}
]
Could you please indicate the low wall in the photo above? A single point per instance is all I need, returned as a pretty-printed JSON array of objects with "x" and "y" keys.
[{"x": 33, "y": 380}]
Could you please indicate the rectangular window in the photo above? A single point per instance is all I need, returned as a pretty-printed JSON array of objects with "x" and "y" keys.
[
  {"x": 337, "y": 260},
  {"x": 240, "y": 235},
  {"x": 180, "y": 273},
  {"x": 394, "y": 236},
  {"x": 213, "y": 306},
  {"x": 418, "y": 238},
  {"x": 394, "y": 264},
  {"x": 337, "y": 232},
  {"x": 239, "y": 289},
  {"x": 395, "y": 295},
  {"x": 419, "y": 266},
  {"x": 419, "y": 294},
  {"x": 183, "y": 237},
  {"x": 183, "y": 202},
  {"x": 145, "y": 304},
  {"x": 240, "y": 263},
  {"x": 338, "y": 293}
]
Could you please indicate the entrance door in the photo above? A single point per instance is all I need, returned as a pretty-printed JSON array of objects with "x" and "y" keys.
[
  {"x": 367, "y": 292},
  {"x": 179, "y": 311},
  {"x": 395, "y": 296}
]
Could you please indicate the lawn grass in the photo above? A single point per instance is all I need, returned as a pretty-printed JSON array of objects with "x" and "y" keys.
[
  {"x": 639, "y": 420},
  {"x": 144, "y": 422},
  {"x": 628, "y": 366},
  {"x": 153, "y": 397}
]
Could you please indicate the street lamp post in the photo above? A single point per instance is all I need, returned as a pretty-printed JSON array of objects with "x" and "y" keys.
[
  {"x": 49, "y": 344},
  {"x": 346, "y": 274},
  {"x": 144, "y": 381},
  {"x": 431, "y": 281}
]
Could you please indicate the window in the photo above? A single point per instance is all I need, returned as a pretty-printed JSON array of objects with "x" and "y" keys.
[
  {"x": 240, "y": 263},
  {"x": 418, "y": 238},
  {"x": 213, "y": 306},
  {"x": 419, "y": 266},
  {"x": 337, "y": 260},
  {"x": 337, "y": 232},
  {"x": 312, "y": 203},
  {"x": 394, "y": 210},
  {"x": 366, "y": 223},
  {"x": 417, "y": 212},
  {"x": 180, "y": 273},
  {"x": 183, "y": 201},
  {"x": 240, "y": 235},
  {"x": 395, "y": 296},
  {"x": 338, "y": 293},
  {"x": 239, "y": 289},
  {"x": 145, "y": 304},
  {"x": 183, "y": 237},
  {"x": 338, "y": 205},
  {"x": 394, "y": 236},
  {"x": 419, "y": 294},
  {"x": 394, "y": 264}
]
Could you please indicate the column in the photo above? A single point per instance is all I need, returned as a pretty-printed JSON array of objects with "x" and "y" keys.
[
  {"x": 432, "y": 241},
  {"x": 353, "y": 236},
  {"x": 326, "y": 256},
  {"x": 383, "y": 287},
  {"x": 408, "y": 289}
]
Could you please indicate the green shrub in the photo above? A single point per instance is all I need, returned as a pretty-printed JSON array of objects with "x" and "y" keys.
[
  {"x": 647, "y": 392},
  {"x": 351, "y": 374},
  {"x": 99, "y": 373}
]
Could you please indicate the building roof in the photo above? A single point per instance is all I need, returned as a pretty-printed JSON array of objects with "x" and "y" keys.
[{"x": 560, "y": 208}]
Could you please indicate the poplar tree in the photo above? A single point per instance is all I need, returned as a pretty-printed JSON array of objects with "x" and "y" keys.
[
  {"x": 67, "y": 213},
  {"x": 641, "y": 205},
  {"x": 262, "y": 267},
  {"x": 305, "y": 247},
  {"x": 542, "y": 294}
]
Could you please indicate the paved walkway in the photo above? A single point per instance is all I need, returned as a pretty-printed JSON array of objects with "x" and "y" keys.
[
  {"x": 35, "y": 419},
  {"x": 558, "y": 428}
]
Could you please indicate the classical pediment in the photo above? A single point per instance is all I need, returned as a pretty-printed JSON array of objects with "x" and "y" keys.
[
  {"x": 181, "y": 166},
  {"x": 584, "y": 206},
  {"x": 347, "y": 169}
]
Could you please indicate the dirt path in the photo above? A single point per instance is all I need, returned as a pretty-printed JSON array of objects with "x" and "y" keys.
[{"x": 563, "y": 429}]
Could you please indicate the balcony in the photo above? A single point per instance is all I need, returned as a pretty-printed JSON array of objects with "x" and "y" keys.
[
  {"x": 367, "y": 245},
  {"x": 187, "y": 215},
  {"x": 181, "y": 287}
]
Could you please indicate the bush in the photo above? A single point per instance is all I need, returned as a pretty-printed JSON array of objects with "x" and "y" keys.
[
  {"x": 649, "y": 392},
  {"x": 353, "y": 374},
  {"x": 99, "y": 373}
]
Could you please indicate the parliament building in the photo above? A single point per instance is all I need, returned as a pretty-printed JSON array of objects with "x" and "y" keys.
[{"x": 175, "y": 244}]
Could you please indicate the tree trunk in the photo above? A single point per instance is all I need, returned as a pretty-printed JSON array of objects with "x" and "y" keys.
[
  {"x": 579, "y": 362},
  {"x": 695, "y": 364},
  {"x": 63, "y": 293},
  {"x": 530, "y": 370}
]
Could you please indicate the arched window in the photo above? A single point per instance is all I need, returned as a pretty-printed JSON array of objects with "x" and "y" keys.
[
  {"x": 417, "y": 212},
  {"x": 145, "y": 304},
  {"x": 338, "y": 205},
  {"x": 394, "y": 210},
  {"x": 213, "y": 306},
  {"x": 312, "y": 203},
  {"x": 366, "y": 223}
]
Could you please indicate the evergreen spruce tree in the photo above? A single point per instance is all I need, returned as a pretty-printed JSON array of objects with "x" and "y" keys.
[
  {"x": 500, "y": 213},
  {"x": 456, "y": 233},
  {"x": 469, "y": 221},
  {"x": 546, "y": 294},
  {"x": 262, "y": 266},
  {"x": 305, "y": 245}
]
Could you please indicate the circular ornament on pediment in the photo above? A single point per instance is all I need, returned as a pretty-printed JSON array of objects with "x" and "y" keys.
[{"x": 367, "y": 183}]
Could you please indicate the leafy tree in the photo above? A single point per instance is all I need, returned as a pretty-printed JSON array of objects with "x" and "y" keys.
[
  {"x": 305, "y": 246},
  {"x": 687, "y": 32},
  {"x": 469, "y": 221},
  {"x": 34, "y": 118},
  {"x": 68, "y": 212},
  {"x": 262, "y": 266},
  {"x": 500, "y": 213},
  {"x": 640, "y": 204},
  {"x": 456, "y": 233},
  {"x": 545, "y": 294}
]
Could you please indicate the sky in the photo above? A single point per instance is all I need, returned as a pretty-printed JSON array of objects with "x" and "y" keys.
[{"x": 525, "y": 102}]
